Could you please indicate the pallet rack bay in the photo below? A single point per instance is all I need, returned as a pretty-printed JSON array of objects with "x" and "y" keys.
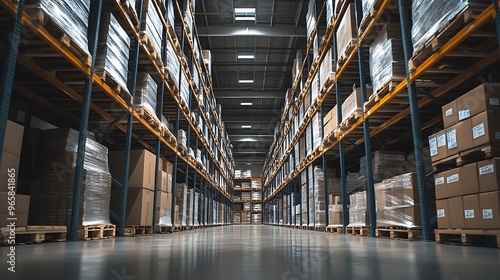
[{"x": 247, "y": 200}]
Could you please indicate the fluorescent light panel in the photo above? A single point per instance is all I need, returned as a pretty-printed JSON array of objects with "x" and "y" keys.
[
  {"x": 246, "y": 81},
  {"x": 246, "y": 126},
  {"x": 246, "y": 104},
  {"x": 244, "y": 18},
  {"x": 240, "y": 11},
  {"x": 246, "y": 56}
]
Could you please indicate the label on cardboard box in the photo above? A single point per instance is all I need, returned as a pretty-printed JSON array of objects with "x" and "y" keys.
[
  {"x": 463, "y": 114},
  {"x": 440, "y": 213},
  {"x": 449, "y": 112},
  {"x": 469, "y": 214},
  {"x": 433, "y": 146},
  {"x": 487, "y": 214},
  {"x": 494, "y": 101},
  {"x": 440, "y": 181},
  {"x": 486, "y": 169},
  {"x": 441, "y": 140},
  {"x": 497, "y": 135},
  {"x": 478, "y": 131},
  {"x": 452, "y": 179},
  {"x": 452, "y": 139}
]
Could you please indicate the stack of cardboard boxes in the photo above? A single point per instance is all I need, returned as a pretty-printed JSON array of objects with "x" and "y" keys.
[
  {"x": 141, "y": 186},
  {"x": 468, "y": 196},
  {"x": 335, "y": 215},
  {"x": 357, "y": 210},
  {"x": 9, "y": 166}
]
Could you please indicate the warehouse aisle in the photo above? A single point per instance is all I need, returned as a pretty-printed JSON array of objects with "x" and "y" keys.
[{"x": 252, "y": 252}]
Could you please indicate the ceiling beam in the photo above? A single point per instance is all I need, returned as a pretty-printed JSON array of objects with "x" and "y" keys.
[
  {"x": 266, "y": 31},
  {"x": 255, "y": 119},
  {"x": 235, "y": 94}
]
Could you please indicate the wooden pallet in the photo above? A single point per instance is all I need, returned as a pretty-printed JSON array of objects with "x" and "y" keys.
[
  {"x": 370, "y": 16},
  {"x": 135, "y": 230},
  {"x": 164, "y": 229},
  {"x": 95, "y": 232},
  {"x": 149, "y": 117},
  {"x": 383, "y": 91},
  {"x": 111, "y": 82},
  {"x": 335, "y": 229},
  {"x": 443, "y": 35},
  {"x": 130, "y": 11},
  {"x": 151, "y": 51},
  {"x": 319, "y": 228},
  {"x": 473, "y": 155},
  {"x": 470, "y": 237},
  {"x": 399, "y": 233},
  {"x": 34, "y": 234},
  {"x": 40, "y": 18},
  {"x": 358, "y": 230},
  {"x": 347, "y": 51}
]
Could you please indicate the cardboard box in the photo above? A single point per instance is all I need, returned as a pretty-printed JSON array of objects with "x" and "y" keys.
[
  {"x": 483, "y": 98},
  {"x": 438, "y": 146},
  {"x": 347, "y": 30},
  {"x": 464, "y": 131},
  {"x": 9, "y": 162},
  {"x": 472, "y": 211},
  {"x": 469, "y": 183},
  {"x": 442, "y": 212},
  {"x": 440, "y": 183},
  {"x": 13, "y": 138},
  {"x": 489, "y": 175},
  {"x": 21, "y": 211},
  {"x": 453, "y": 182},
  {"x": 452, "y": 140},
  {"x": 486, "y": 128},
  {"x": 353, "y": 103},
  {"x": 450, "y": 116},
  {"x": 141, "y": 169},
  {"x": 490, "y": 209},
  {"x": 168, "y": 167},
  {"x": 139, "y": 205},
  {"x": 456, "y": 207},
  {"x": 412, "y": 215}
]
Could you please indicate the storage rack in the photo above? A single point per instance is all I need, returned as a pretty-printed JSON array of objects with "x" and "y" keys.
[
  {"x": 73, "y": 86},
  {"x": 238, "y": 191},
  {"x": 389, "y": 117}
]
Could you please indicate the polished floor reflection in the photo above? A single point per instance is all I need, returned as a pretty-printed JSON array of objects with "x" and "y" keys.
[{"x": 251, "y": 252}]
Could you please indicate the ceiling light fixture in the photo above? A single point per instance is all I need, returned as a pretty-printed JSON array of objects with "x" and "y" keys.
[
  {"x": 246, "y": 56},
  {"x": 248, "y": 140},
  {"x": 245, "y": 18},
  {"x": 246, "y": 104},
  {"x": 244, "y": 11},
  {"x": 246, "y": 81},
  {"x": 246, "y": 126}
]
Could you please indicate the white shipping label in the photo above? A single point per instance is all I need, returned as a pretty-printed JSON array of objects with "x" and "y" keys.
[
  {"x": 486, "y": 169},
  {"x": 441, "y": 140},
  {"x": 487, "y": 214},
  {"x": 433, "y": 146},
  {"x": 452, "y": 179},
  {"x": 469, "y": 214},
  {"x": 452, "y": 139},
  {"x": 494, "y": 101},
  {"x": 440, "y": 213},
  {"x": 449, "y": 112},
  {"x": 439, "y": 181},
  {"x": 478, "y": 131},
  {"x": 497, "y": 135},
  {"x": 463, "y": 114}
]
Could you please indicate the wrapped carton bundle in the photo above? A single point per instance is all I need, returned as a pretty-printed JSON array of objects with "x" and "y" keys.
[
  {"x": 398, "y": 201},
  {"x": 188, "y": 16},
  {"x": 245, "y": 185},
  {"x": 71, "y": 16},
  {"x": 173, "y": 64},
  {"x": 170, "y": 13},
  {"x": 357, "y": 209},
  {"x": 429, "y": 17},
  {"x": 256, "y": 195},
  {"x": 317, "y": 131},
  {"x": 164, "y": 208},
  {"x": 386, "y": 57},
  {"x": 311, "y": 17},
  {"x": 151, "y": 24},
  {"x": 305, "y": 198},
  {"x": 189, "y": 207},
  {"x": 145, "y": 97},
  {"x": 237, "y": 218},
  {"x": 347, "y": 32},
  {"x": 385, "y": 165},
  {"x": 181, "y": 203},
  {"x": 52, "y": 192},
  {"x": 256, "y": 218},
  {"x": 329, "y": 11},
  {"x": 335, "y": 211},
  {"x": 256, "y": 184},
  {"x": 185, "y": 89},
  {"x": 113, "y": 51},
  {"x": 182, "y": 139},
  {"x": 207, "y": 59}
]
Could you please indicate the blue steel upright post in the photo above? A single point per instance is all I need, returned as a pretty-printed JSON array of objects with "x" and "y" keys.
[
  {"x": 415, "y": 121},
  {"x": 8, "y": 71},
  {"x": 366, "y": 129},
  {"x": 93, "y": 39}
]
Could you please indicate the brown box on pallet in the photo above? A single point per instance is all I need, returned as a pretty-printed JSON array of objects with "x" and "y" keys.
[
  {"x": 330, "y": 121},
  {"x": 486, "y": 128},
  {"x": 13, "y": 138},
  {"x": 139, "y": 210},
  {"x": 440, "y": 185},
  {"x": 141, "y": 169},
  {"x": 452, "y": 139},
  {"x": 483, "y": 98},
  {"x": 472, "y": 211},
  {"x": 490, "y": 209},
  {"x": 450, "y": 116},
  {"x": 469, "y": 183},
  {"x": 453, "y": 182},
  {"x": 443, "y": 213},
  {"x": 456, "y": 207},
  {"x": 438, "y": 146},
  {"x": 464, "y": 131},
  {"x": 489, "y": 175}
]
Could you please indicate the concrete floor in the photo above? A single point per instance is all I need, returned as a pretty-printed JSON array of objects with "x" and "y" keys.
[{"x": 251, "y": 252}]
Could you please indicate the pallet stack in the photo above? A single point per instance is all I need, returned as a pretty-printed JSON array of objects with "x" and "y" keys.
[{"x": 465, "y": 164}]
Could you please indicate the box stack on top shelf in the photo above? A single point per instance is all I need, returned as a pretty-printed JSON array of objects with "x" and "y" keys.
[{"x": 464, "y": 159}]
